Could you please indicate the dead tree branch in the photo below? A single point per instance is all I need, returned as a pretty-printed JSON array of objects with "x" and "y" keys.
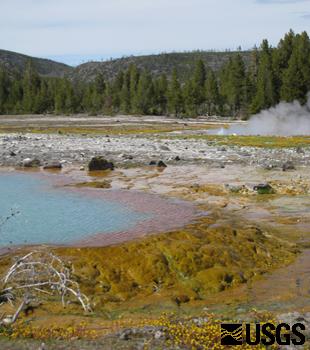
[{"x": 36, "y": 274}]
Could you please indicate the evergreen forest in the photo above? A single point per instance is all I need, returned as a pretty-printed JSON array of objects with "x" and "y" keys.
[{"x": 274, "y": 74}]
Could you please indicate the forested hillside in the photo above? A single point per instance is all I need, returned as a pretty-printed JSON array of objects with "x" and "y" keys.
[
  {"x": 13, "y": 63},
  {"x": 238, "y": 87},
  {"x": 165, "y": 63}
]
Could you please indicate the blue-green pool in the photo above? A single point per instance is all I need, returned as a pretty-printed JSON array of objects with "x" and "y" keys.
[{"x": 54, "y": 215}]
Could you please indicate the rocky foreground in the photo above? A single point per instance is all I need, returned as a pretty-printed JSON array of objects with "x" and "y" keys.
[{"x": 139, "y": 150}]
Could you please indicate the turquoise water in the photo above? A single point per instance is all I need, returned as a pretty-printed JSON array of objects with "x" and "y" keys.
[{"x": 53, "y": 215}]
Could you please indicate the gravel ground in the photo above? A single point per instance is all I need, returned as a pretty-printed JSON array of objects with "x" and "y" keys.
[{"x": 77, "y": 149}]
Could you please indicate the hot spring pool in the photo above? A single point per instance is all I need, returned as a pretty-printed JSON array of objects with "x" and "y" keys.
[{"x": 55, "y": 215}]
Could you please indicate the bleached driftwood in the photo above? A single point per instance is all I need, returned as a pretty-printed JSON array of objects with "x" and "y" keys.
[{"x": 35, "y": 275}]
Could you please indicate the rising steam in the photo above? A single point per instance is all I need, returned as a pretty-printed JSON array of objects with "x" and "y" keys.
[{"x": 285, "y": 119}]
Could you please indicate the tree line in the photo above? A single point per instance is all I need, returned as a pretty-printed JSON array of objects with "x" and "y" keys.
[{"x": 274, "y": 74}]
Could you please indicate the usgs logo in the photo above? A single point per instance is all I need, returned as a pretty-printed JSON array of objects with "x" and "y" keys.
[{"x": 266, "y": 334}]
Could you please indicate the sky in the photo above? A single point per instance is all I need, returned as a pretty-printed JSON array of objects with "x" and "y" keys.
[{"x": 75, "y": 31}]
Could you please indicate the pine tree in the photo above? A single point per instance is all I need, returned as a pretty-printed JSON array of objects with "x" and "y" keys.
[
  {"x": 144, "y": 98},
  {"x": 265, "y": 89},
  {"x": 280, "y": 60},
  {"x": 134, "y": 80},
  {"x": 4, "y": 90},
  {"x": 191, "y": 105},
  {"x": 125, "y": 94},
  {"x": 233, "y": 84},
  {"x": 116, "y": 90},
  {"x": 212, "y": 94},
  {"x": 175, "y": 99},
  {"x": 108, "y": 107},
  {"x": 296, "y": 78},
  {"x": 31, "y": 86},
  {"x": 60, "y": 96},
  {"x": 14, "y": 104},
  {"x": 161, "y": 91},
  {"x": 198, "y": 86},
  {"x": 100, "y": 84},
  {"x": 42, "y": 100}
]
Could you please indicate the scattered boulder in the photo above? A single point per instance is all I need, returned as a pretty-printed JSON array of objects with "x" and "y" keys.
[
  {"x": 31, "y": 162},
  {"x": 269, "y": 166},
  {"x": 177, "y": 158},
  {"x": 161, "y": 164},
  {"x": 12, "y": 154},
  {"x": 300, "y": 150},
  {"x": 127, "y": 156},
  {"x": 289, "y": 165},
  {"x": 125, "y": 334},
  {"x": 55, "y": 164},
  {"x": 264, "y": 189},
  {"x": 234, "y": 188},
  {"x": 152, "y": 162},
  {"x": 164, "y": 148},
  {"x": 100, "y": 163}
]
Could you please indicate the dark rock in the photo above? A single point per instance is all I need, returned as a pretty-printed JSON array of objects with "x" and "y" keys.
[
  {"x": 99, "y": 163},
  {"x": 263, "y": 189},
  {"x": 53, "y": 165},
  {"x": 12, "y": 154},
  {"x": 269, "y": 166},
  {"x": 195, "y": 187},
  {"x": 127, "y": 156},
  {"x": 164, "y": 148},
  {"x": 181, "y": 299},
  {"x": 300, "y": 150},
  {"x": 289, "y": 165},
  {"x": 125, "y": 334},
  {"x": 152, "y": 162},
  {"x": 31, "y": 163},
  {"x": 161, "y": 164},
  {"x": 177, "y": 158}
]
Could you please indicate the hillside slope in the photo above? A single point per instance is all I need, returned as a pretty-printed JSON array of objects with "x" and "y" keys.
[
  {"x": 16, "y": 62},
  {"x": 184, "y": 62}
]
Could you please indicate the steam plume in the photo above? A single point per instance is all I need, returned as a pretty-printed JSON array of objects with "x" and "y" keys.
[{"x": 285, "y": 119}]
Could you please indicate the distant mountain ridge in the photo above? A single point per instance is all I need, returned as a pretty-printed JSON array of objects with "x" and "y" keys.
[
  {"x": 183, "y": 62},
  {"x": 16, "y": 62}
]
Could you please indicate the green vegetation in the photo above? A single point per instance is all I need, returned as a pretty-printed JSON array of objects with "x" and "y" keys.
[
  {"x": 253, "y": 141},
  {"x": 238, "y": 89}
]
